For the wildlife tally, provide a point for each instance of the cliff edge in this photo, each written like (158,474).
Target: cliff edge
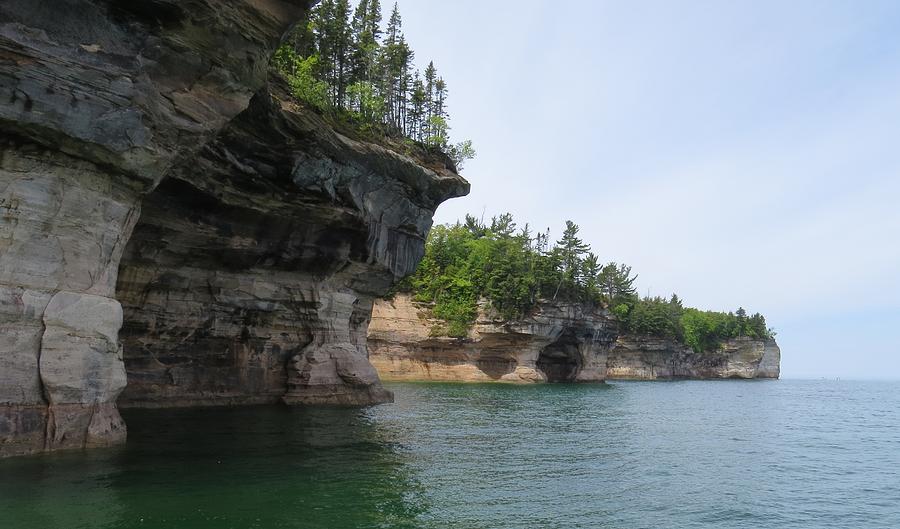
(559,342)
(154,178)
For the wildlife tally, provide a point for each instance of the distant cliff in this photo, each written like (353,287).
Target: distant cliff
(650,358)
(557,342)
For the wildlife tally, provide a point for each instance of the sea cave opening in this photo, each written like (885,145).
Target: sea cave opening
(561,360)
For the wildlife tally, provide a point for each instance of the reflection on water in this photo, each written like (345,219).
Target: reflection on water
(728,454)
(245,467)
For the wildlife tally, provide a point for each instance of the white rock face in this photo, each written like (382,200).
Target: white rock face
(770,365)
(81,361)
(63,227)
(21,330)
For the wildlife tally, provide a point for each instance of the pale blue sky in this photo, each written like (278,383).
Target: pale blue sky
(736,152)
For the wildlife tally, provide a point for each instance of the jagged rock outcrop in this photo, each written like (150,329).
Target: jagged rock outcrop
(650,358)
(557,342)
(560,342)
(251,274)
(260,234)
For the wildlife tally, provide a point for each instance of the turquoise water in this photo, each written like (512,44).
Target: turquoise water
(729,454)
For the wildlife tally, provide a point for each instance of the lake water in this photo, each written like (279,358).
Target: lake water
(729,454)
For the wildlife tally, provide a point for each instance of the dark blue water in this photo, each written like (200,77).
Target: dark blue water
(735,454)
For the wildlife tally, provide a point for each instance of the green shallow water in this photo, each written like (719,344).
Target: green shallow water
(729,454)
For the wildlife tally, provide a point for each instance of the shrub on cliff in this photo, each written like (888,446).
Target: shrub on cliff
(345,64)
(510,268)
(703,331)
(513,268)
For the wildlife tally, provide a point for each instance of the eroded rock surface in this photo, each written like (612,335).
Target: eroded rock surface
(251,274)
(260,235)
(99,98)
(558,342)
(649,358)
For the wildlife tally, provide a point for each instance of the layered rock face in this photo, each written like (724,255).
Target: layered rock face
(251,274)
(271,233)
(559,342)
(649,358)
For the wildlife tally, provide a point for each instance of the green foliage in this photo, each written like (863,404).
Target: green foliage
(341,62)
(462,152)
(653,317)
(512,268)
(437,132)
(299,73)
(365,103)
(616,284)
(502,264)
(703,331)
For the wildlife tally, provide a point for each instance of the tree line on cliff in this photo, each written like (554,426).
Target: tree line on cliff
(513,268)
(341,61)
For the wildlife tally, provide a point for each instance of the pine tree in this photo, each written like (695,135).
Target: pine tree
(416,113)
(365,29)
(343,38)
(741,322)
(333,40)
(616,283)
(390,60)
(590,271)
(430,78)
(570,249)
(440,98)
(322,22)
(503,226)
(338,61)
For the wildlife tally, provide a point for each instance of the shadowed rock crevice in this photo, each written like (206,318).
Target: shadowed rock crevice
(561,360)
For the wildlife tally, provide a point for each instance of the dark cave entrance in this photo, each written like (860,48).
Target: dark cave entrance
(561,360)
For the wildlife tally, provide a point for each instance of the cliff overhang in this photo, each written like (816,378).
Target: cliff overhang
(154,178)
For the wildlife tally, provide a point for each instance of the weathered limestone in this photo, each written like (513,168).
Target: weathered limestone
(261,236)
(556,344)
(63,226)
(649,358)
(251,274)
(99,99)
(559,342)
(770,364)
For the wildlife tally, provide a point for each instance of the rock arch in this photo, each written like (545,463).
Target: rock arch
(153,117)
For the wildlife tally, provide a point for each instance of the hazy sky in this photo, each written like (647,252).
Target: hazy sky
(737,153)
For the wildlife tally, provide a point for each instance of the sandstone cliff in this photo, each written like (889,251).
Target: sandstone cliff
(649,358)
(147,159)
(560,342)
